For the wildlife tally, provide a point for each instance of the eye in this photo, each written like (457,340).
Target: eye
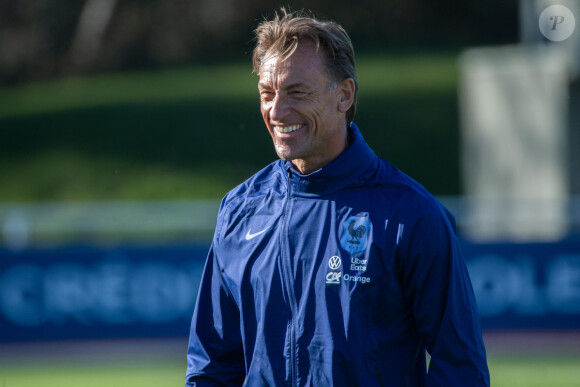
(297,93)
(266,95)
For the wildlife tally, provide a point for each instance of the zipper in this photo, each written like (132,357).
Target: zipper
(287,273)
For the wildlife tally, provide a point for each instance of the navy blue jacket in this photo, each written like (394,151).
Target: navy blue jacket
(343,277)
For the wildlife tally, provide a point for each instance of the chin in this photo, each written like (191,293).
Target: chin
(285,155)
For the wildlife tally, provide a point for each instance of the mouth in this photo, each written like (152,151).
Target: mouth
(288,128)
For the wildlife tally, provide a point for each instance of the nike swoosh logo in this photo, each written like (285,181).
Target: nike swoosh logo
(249,234)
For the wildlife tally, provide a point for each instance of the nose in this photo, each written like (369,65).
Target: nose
(279,108)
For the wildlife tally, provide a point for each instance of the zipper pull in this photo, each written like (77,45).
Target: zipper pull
(289,173)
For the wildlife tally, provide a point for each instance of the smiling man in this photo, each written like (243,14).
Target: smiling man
(330,267)
(303,107)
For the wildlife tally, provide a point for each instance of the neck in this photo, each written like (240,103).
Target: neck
(307,166)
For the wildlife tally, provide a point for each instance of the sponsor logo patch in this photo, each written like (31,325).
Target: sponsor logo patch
(354,238)
(334,262)
(333,277)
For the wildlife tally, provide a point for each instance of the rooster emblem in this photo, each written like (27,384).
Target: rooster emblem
(354,235)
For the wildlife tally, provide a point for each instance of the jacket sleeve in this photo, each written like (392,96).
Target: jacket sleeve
(215,354)
(441,297)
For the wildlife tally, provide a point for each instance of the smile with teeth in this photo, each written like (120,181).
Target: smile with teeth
(288,129)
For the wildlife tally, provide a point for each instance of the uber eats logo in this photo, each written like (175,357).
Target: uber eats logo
(335,275)
(354,236)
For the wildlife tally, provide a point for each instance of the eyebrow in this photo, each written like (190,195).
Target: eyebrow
(263,85)
(297,85)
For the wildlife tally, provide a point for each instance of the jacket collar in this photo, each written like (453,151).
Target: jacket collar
(354,166)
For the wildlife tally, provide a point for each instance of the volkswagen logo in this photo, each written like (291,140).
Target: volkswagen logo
(334,262)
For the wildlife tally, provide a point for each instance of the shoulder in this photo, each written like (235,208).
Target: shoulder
(241,199)
(414,201)
(258,184)
(425,228)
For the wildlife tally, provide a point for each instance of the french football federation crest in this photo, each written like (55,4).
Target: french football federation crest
(355,231)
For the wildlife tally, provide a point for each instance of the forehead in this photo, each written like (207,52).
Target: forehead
(306,64)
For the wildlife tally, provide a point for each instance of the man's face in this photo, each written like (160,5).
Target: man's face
(303,111)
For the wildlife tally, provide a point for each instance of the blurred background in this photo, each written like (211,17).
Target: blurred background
(123,123)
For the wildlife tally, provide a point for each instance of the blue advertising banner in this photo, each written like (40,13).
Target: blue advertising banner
(127,291)
(83,292)
(526,286)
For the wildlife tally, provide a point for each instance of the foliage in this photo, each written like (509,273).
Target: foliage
(40,39)
(197,131)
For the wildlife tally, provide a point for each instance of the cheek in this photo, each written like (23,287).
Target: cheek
(264,110)
(266,117)
(321,107)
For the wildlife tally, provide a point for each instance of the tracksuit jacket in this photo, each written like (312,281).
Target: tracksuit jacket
(343,277)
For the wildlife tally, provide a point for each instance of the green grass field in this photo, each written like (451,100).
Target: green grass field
(505,372)
(145,375)
(535,372)
(196,132)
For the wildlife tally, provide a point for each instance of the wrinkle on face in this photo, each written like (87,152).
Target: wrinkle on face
(297,90)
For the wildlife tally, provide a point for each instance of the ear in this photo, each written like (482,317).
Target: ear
(345,90)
